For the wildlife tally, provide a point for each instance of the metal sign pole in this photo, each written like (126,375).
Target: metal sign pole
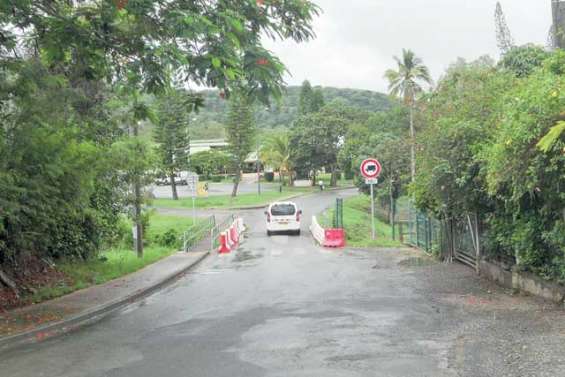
(193,188)
(193,211)
(371,169)
(372,212)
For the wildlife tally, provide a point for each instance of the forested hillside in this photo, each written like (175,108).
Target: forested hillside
(209,122)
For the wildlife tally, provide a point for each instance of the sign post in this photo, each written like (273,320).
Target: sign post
(192,182)
(371,169)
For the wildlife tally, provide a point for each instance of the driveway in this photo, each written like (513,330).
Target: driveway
(281,306)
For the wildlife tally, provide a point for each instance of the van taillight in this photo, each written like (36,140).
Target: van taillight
(268,217)
(297,215)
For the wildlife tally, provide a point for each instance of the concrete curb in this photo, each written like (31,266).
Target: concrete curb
(91,316)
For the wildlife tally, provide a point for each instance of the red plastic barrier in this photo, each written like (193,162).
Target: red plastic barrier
(224,246)
(334,238)
(233,234)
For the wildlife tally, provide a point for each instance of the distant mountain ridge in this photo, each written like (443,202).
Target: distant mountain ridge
(208,122)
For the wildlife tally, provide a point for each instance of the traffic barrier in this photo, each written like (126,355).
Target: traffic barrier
(224,245)
(231,243)
(234,234)
(240,225)
(334,238)
(317,231)
(230,238)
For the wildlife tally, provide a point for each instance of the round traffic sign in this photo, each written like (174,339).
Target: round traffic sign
(371,168)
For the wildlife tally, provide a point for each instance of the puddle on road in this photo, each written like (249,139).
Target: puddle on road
(244,255)
(417,262)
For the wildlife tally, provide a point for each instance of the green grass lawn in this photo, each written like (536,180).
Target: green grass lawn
(118,261)
(226,201)
(357,222)
(340,183)
(159,224)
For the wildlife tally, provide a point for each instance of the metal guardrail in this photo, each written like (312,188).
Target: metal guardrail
(194,235)
(219,228)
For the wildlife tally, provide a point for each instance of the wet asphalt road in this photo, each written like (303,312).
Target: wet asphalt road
(281,306)
(215,189)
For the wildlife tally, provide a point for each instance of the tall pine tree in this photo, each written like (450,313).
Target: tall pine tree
(172,135)
(240,130)
(503,35)
(310,100)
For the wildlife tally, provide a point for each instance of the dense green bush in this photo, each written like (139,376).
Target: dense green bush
(209,163)
(170,238)
(480,155)
(216,178)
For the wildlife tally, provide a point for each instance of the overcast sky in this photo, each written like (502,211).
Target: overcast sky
(356,39)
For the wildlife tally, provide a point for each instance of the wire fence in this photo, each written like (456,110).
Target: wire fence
(460,238)
(419,230)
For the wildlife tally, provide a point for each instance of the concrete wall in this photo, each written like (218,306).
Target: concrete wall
(523,282)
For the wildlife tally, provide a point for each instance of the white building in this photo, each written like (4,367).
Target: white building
(207,145)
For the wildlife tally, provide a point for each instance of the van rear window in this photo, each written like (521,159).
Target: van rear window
(283,210)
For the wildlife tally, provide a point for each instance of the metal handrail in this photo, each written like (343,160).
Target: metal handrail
(217,229)
(191,237)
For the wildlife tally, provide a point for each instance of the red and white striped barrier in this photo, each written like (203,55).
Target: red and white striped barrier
(230,238)
(224,245)
(327,237)
(317,231)
(240,225)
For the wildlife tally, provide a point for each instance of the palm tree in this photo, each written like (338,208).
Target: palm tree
(276,152)
(404,83)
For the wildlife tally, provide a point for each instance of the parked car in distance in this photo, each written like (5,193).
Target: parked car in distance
(283,217)
(180,180)
(161,180)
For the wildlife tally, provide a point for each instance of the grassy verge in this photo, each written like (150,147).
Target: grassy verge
(119,261)
(226,201)
(357,222)
(340,183)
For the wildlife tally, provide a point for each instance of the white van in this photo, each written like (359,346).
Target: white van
(283,217)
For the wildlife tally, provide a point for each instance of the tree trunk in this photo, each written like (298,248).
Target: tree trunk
(174,187)
(333,179)
(391,204)
(236,181)
(314,179)
(137,205)
(9,283)
(412,144)
(138,225)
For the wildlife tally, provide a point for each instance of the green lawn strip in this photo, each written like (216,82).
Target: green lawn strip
(117,262)
(357,222)
(340,183)
(226,201)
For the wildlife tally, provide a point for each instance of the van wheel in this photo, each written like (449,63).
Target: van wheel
(269,233)
(297,232)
